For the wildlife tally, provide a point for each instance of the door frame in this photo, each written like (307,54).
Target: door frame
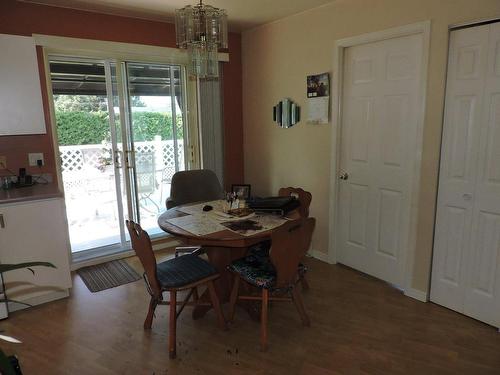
(423,28)
(100,251)
(76,48)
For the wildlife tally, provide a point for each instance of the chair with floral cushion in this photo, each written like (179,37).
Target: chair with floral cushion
(262,249)
(275,275)
(305,199)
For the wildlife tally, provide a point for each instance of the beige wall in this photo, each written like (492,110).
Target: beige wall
(276,60)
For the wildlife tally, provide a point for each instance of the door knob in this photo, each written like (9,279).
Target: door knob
(344,176)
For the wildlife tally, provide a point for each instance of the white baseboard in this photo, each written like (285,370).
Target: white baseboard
(320,256)
(413,293)
(417,294)
(38,300)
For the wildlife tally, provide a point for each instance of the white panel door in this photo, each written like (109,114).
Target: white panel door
(381,90)
(466,267)
(468,49)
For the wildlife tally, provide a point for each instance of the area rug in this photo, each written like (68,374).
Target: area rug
(108,275)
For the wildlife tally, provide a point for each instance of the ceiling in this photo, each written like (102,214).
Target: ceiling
(243,14)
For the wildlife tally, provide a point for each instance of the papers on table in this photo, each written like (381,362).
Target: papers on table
(222,217)
(199,224)
(216,213)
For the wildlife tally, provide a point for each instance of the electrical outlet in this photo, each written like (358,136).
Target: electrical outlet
(3,162)
(34,157)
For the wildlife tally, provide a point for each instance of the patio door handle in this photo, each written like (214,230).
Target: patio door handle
(118,158)
(130,159)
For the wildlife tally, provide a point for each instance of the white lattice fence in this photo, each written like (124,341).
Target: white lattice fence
(81,158)
(143,152)
(169,158)
(77,158)
(71,159)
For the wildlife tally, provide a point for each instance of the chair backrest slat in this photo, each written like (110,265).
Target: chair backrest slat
(303,196)
(141,243)
(289,245)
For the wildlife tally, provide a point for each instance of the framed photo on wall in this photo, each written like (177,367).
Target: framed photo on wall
(241,191)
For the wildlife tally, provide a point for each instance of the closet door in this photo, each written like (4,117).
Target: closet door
(482,293)
(466,270)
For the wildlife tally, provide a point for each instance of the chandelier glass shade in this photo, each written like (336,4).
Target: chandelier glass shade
(202,30)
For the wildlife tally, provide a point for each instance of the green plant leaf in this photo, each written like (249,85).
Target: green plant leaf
(11,267)
(10,339)
(5,365)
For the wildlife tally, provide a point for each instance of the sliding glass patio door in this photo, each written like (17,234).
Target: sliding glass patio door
(121,134)
(156,123)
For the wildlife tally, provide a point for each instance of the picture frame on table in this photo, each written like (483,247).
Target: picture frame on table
(242,191)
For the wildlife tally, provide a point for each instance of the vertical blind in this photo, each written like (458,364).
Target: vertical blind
(211,125)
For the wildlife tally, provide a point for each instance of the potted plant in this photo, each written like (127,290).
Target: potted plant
(8,364)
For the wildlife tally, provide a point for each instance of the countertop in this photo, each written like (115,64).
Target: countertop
(31,193)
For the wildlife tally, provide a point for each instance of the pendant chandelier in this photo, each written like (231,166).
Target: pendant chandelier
(202,30)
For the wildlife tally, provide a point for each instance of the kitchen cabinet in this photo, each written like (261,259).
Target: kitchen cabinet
(20,93)
(35,231)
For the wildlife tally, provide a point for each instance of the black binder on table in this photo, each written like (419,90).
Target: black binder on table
(276,205)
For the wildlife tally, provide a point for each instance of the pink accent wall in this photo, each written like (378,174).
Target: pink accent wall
(20,18)
(233,114)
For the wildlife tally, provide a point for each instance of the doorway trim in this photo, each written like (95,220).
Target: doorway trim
(423,28)
(62,47)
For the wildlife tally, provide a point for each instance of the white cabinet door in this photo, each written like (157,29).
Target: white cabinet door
(35,231)
(20,94)
(378,151)
(466,265)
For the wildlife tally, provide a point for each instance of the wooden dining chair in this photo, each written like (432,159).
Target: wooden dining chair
(305,199)
(185,272)
(277,275)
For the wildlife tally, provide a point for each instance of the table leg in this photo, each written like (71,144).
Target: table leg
(220,258)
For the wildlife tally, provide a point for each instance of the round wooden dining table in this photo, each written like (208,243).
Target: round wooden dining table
(221,248)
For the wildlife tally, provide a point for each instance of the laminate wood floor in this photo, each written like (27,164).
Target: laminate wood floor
(359,326)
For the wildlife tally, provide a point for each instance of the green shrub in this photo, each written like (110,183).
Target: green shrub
(82,128)
(148,124)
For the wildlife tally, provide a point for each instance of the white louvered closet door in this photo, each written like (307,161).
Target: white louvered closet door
(466,264)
